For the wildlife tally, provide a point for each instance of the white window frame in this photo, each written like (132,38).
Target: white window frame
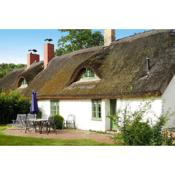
(97,109)
(54,104)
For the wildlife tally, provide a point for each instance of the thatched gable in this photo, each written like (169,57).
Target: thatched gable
(12,80)
(120,66)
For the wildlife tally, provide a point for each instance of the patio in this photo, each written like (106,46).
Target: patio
(66,134)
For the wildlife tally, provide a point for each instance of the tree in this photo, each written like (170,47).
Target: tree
(11,104)
(6,68)
(78,39)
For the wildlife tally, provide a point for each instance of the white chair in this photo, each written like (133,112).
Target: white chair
(70,122)
(20,120)
(30,123)
(31,116)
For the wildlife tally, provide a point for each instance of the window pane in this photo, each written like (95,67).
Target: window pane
(87,73)
(54,107)
(96,109)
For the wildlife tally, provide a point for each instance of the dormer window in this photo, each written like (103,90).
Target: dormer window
(87,73)
(22,83)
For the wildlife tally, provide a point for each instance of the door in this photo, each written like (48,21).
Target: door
(113,103)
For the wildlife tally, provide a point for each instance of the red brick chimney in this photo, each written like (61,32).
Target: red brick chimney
(48,53)
(31,58)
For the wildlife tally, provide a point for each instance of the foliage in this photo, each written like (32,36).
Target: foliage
(11,104)
(6,68)
(134,130)
(78,39)
(58,121)
(137,132)
(39,114)
(160,136)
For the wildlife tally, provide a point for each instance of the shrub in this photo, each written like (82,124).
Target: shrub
(137,132)
(11,104)
(39,114)
(58,121)
(161,136)
(133,130)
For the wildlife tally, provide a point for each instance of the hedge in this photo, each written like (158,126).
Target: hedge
(11,104)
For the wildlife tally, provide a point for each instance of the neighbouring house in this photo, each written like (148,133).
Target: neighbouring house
(95,82)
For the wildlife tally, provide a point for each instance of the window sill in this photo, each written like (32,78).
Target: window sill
(96,119)
(87,80)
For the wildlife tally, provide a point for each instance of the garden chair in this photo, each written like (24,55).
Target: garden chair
(31,116)
(20,121)
(70,122)
(29,123)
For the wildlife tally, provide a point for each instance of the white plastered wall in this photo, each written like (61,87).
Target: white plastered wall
(168,100)
(44,106)
(154,112)
(82,110)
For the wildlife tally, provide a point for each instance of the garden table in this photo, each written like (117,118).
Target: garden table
(39,122)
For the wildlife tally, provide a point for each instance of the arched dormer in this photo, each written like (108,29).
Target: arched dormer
(22,83)
(85,74)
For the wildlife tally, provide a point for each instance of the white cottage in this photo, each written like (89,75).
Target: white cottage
(95,82)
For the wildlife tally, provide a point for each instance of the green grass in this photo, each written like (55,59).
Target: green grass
(7,140)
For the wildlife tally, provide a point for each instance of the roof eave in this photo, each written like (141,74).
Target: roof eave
(144,95)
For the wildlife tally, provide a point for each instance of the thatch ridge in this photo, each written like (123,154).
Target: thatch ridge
(141,35)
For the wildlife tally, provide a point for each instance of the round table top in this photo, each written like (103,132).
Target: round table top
(38,120)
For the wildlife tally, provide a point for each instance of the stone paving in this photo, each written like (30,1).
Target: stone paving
(63,134)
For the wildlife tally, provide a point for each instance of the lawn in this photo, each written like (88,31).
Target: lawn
(6,140)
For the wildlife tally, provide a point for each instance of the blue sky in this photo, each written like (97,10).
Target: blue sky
(14,44)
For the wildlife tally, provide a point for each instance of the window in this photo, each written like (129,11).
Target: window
(96,109)
(54,107)
(87,73)
(22,83)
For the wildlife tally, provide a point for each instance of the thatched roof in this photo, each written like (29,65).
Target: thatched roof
(121,68)
(11,81)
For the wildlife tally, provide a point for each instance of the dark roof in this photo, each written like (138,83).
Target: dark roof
(121,67)
(10,82)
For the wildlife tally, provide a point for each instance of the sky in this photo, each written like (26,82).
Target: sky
(15,43)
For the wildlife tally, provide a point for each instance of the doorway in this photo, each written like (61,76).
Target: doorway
(113,107)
